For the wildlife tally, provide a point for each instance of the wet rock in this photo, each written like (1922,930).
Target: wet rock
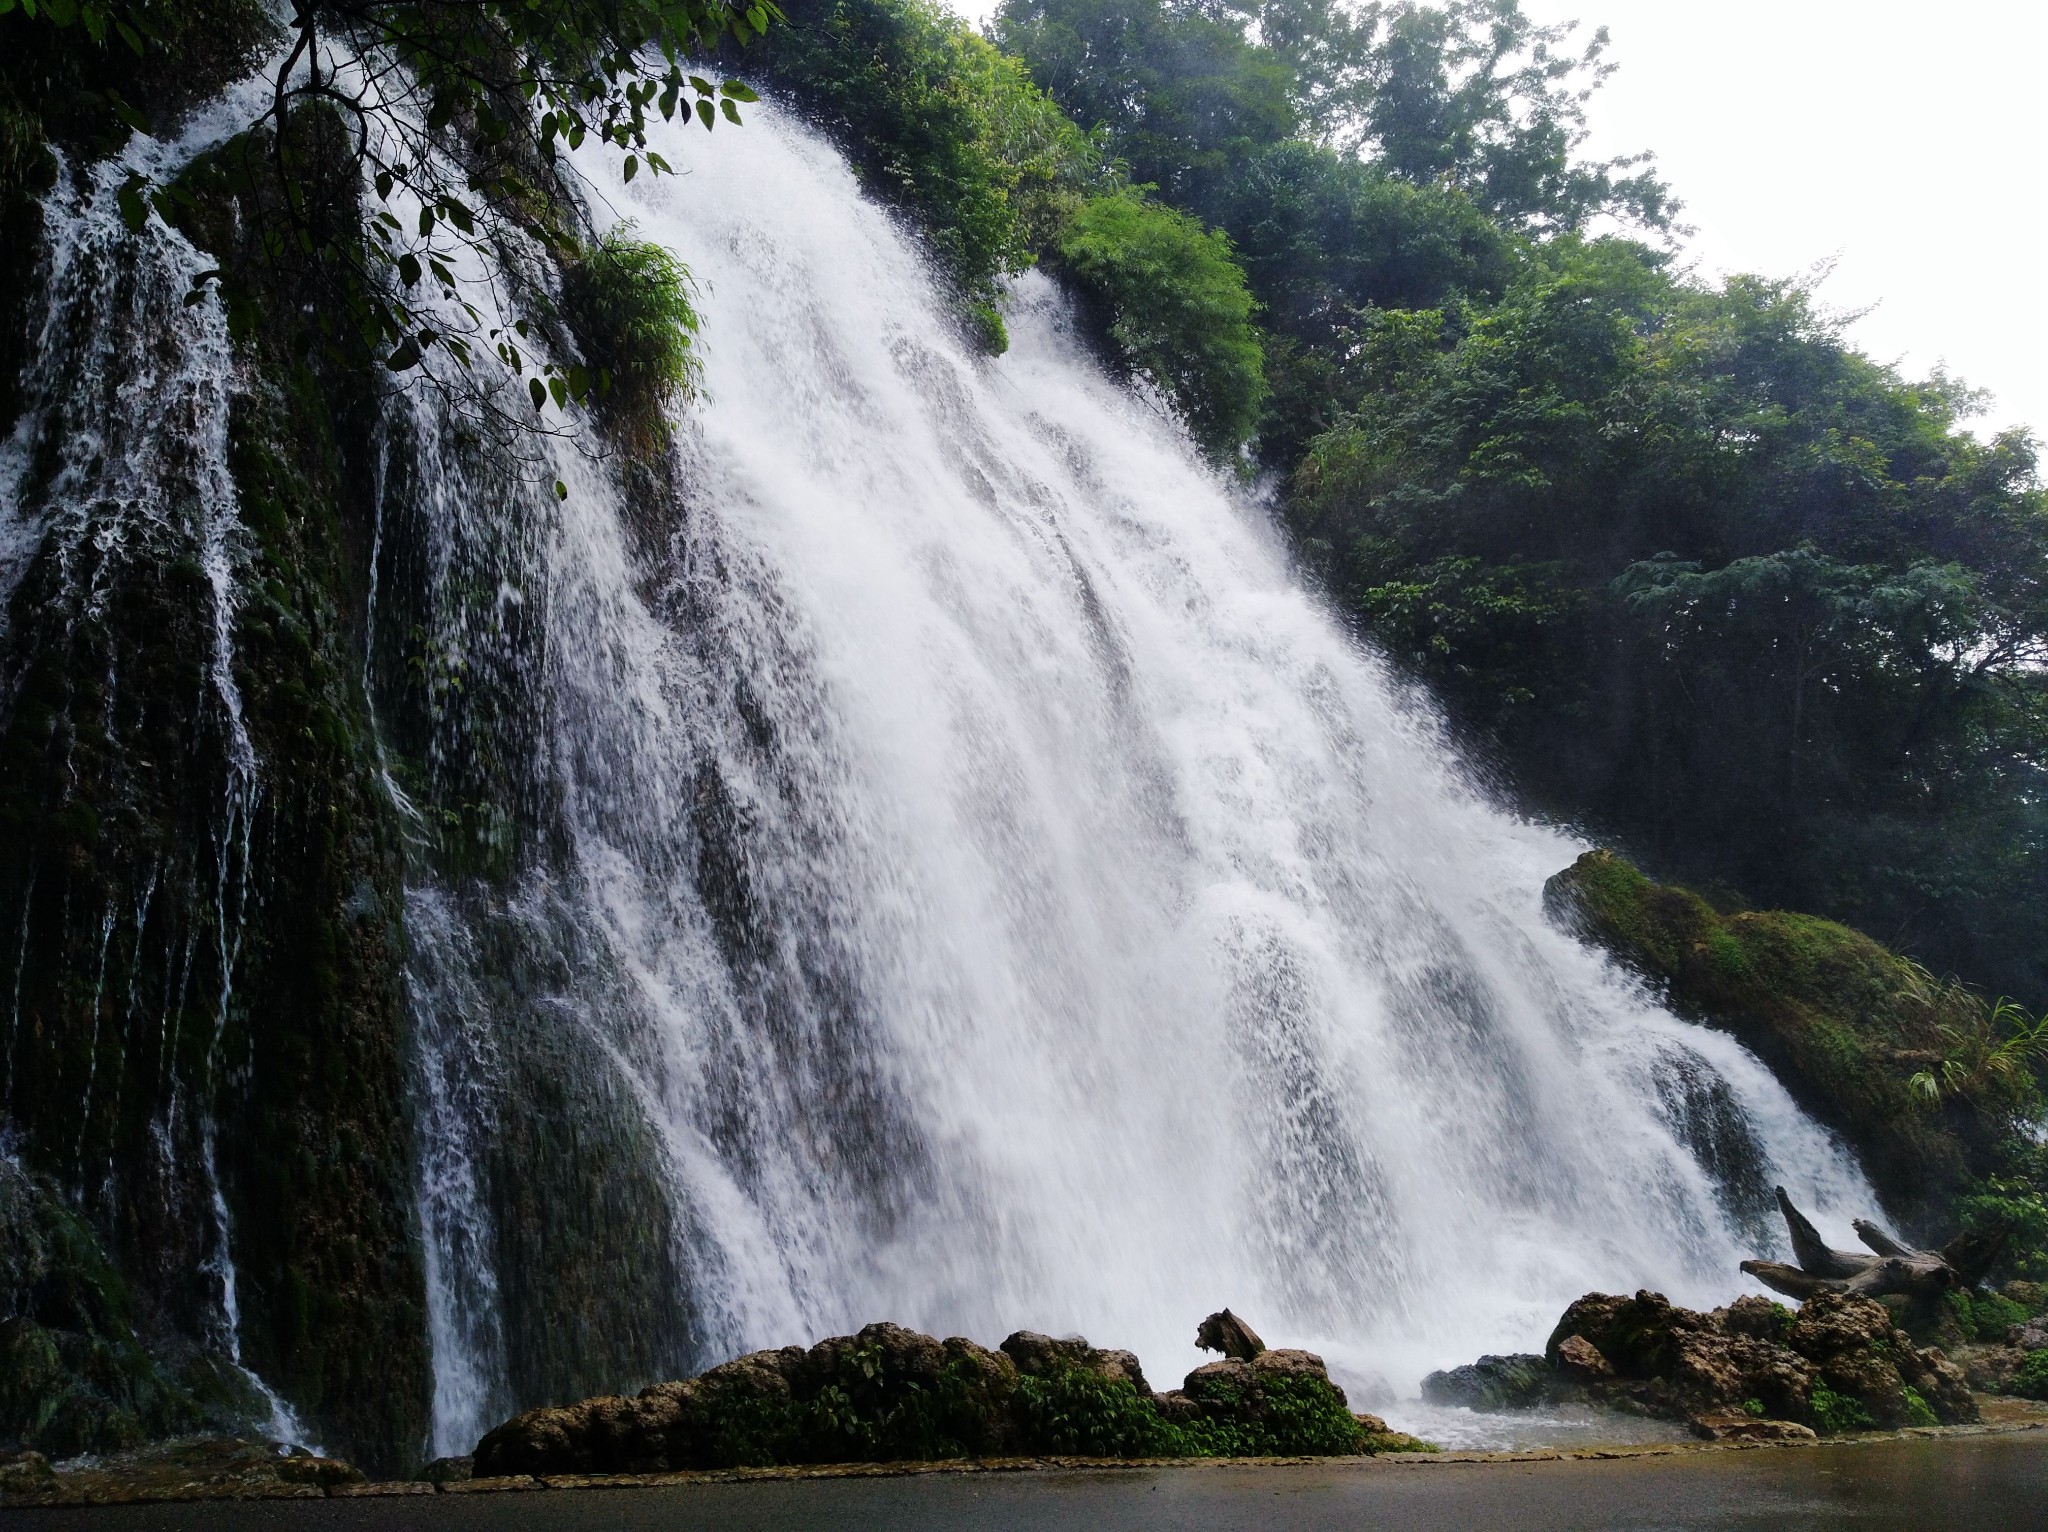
(1518,1382)
(206,1468)
(1754,1356)
(448,1471)
(1735,1426)
(1036,1355)
(27,1472)
(2031,1336)
(1226,1333)
(889,1394)
(1578,1361)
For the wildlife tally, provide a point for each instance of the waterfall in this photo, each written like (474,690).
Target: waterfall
(946,868)
(117,470)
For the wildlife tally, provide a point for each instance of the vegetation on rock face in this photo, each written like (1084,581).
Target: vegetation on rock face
(457,111)
(73,1376)
(629,303)
(1844,1023)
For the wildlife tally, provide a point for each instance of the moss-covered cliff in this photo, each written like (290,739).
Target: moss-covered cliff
(206,1041)
(1845,1023)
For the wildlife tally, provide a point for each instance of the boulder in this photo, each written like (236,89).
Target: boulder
(1226,1333)
(1578,1360)
(1038,1355)
(1517,1382)
(1752,1356)
(25,1473)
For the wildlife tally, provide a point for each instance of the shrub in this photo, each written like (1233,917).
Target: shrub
(1918,1411)
(1835,1413)
(1175,308)
(1075,1412)
(629,303)
(2030,1379)
(1985,1316)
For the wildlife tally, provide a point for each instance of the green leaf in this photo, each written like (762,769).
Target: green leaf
(134,209)
(632,166)
(127,113)
(383,185)
(405,357)
(701,85)
(409,268)
(539,391)
(732,113)
(707,114)
(561,490)
(738,90)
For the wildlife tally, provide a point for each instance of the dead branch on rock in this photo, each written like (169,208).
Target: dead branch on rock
(1894,1267)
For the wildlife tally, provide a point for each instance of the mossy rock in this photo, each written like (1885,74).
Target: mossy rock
(890,1394)
(1844,1022)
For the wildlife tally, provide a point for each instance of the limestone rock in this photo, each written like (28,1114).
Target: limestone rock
(23,1473)
(1579,1360)
(1736,1426)
(1517,1382)
(1036,1355)
(1226,1333)
(1754,1354)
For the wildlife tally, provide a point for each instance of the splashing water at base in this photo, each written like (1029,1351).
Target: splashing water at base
(1008,900)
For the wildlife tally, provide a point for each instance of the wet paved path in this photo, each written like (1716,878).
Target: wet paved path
(1976,1484)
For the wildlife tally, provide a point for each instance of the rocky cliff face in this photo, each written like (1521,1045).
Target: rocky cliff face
(200,871)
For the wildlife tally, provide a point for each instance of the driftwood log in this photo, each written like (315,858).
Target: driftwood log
(1226,1333)
(1892,1267)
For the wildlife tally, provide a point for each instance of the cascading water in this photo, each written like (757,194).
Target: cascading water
(118,469)
(966,881)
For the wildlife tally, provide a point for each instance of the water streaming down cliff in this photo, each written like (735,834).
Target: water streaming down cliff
(117,473)
(956,874)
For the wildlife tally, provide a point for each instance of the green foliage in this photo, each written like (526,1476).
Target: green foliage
(1754,1407)
(461,139)
(2009,1056)
(1918,1411)
(1073,1412)
(2012,1199)
(1984,1316)
(1835,1413)
(1279,1417)
(1183,95)
(2030,1380)
(1176,310)
(630,304)
(1787,631)
(940,124)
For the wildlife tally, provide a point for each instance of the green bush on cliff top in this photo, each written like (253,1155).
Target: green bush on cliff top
(1175,307)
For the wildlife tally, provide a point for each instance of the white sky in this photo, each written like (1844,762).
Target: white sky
(1907,143)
